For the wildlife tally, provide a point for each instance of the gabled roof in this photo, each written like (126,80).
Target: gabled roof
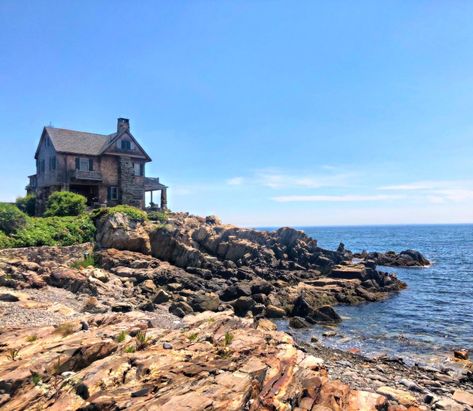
(77,142)
(80,142)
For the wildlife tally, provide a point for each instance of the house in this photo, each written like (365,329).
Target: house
(107,169)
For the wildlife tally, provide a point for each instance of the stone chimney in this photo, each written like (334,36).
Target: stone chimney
(123,124)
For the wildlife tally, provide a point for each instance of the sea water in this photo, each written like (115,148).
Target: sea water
(433,316)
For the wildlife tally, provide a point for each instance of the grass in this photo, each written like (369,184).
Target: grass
(65,329)
(130,349)
(121,336)
(193,337)
(35,378)
(12,353)
(228,339)
(142,340)
(32,338)
(87,261)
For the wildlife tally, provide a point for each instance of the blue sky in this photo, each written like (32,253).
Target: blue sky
(263,112)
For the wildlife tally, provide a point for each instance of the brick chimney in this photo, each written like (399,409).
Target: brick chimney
(123,124)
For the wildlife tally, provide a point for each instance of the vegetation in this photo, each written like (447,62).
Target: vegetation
(27,204)
(228,338)
(5,241)
(35,378)
(193,337)
(54,231)
(121,336)
(65,329)
(65,203)
(142,340)
(160,216)
(87,261)
(130,349)
(133,213)
(12,218)
(32,338)
(12,353)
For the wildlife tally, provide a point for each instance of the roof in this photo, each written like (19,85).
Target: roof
(78,142)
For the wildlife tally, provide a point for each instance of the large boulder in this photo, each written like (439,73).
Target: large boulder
(118,231)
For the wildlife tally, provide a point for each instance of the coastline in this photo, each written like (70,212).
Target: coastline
(176,275)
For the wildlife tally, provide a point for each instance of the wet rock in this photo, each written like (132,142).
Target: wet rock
(461,354)
(298,322)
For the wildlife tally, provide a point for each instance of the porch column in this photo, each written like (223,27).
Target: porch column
(151,204)
(164,199)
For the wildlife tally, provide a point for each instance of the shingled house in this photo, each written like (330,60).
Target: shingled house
(106,169)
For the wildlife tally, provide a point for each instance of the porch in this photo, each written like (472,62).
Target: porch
(153,186)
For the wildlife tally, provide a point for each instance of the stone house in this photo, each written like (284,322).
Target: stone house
(107,169)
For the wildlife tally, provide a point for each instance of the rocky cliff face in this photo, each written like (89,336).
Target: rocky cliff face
(264,274)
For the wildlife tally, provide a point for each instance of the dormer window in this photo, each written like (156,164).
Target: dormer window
(126,145)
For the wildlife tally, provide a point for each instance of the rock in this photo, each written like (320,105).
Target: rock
(298,322)
(406,258)
(329,333)
(167,346)
(461,354)
(463,397)
(411,385)
(274,312)
(122,307)
(118,231)
(205,302)
(148,286)
(325,314)
(9,298)
(448,404)
(402,397)
(161,297)
(365,401)
(242,305)
(180,309)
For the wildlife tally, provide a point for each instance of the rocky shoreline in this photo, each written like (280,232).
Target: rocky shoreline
(175,316)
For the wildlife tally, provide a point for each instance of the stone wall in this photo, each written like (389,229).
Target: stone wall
(131,192)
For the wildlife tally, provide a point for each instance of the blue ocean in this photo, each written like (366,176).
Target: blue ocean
(433,316)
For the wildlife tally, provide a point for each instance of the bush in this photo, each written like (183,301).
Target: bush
(27,204)
(133,213)
(5,241)
(160,216)
(65,203)
(55,231)
(11,218)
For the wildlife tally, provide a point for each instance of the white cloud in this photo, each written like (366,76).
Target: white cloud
(336,198)
(278,180)
(235,181)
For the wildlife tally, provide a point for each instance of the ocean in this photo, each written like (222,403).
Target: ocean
(429,319)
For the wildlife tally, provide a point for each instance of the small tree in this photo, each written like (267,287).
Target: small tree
(27,204)
(65,203)
(11,218)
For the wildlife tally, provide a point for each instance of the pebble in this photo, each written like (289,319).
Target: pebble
(167,346)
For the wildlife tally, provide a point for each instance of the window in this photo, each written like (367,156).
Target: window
(52,163)
(84,164)
(139,169)
(112,193)
(125,145)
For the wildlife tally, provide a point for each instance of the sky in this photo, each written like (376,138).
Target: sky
(263,112)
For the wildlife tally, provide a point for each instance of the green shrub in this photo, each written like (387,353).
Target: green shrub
(5,241)
(27,204)
(160,216)
(11,218)
(65,203)
(133,213)
(54,231)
